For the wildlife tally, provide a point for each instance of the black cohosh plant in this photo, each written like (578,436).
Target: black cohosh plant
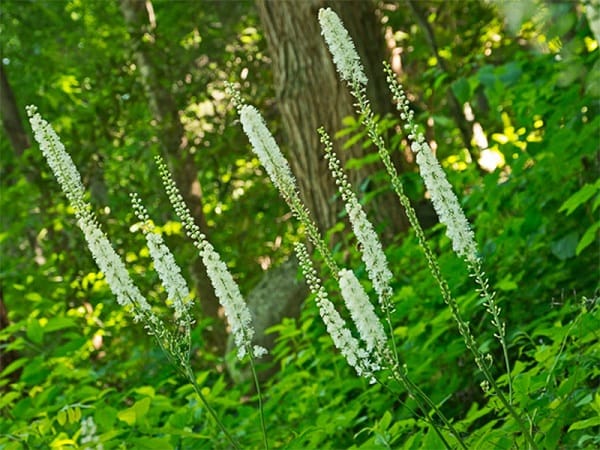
(371,348)
(174,340)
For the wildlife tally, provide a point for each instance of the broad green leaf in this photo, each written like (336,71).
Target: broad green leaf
(6,399)
(61,417)
(35,332)
(105,416)
(136,412)
(565,248)
(152,443)
(59,323)
(462,90)
(15,365)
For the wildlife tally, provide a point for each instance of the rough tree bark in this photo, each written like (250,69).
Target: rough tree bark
(310,94)
(141,23)
(11,118)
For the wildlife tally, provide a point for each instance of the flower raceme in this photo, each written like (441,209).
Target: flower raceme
(267,150)
(341,46)
(371,251)
(165,265)
(363,314)
(444,200)
(445,203)
(342,338)
(109,262)
(226,289)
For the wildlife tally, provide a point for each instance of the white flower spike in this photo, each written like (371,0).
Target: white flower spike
(341,47)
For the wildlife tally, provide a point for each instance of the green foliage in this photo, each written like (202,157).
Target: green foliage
(75,353)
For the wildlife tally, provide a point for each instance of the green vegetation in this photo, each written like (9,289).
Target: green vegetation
(77,372)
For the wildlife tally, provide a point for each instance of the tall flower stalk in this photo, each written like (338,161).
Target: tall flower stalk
(226,289)
(444,200)
(356,299)
(176,343)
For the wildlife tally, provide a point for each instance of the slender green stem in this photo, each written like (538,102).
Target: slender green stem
(368,121)
(437,411)
(192,378)
(494,310)
(418,399)
(260,403)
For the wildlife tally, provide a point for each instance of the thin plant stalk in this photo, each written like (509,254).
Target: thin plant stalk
(192,378)
(350,70)
(175,346)
(463,327)
(260,402)
(277,167)
(226,289)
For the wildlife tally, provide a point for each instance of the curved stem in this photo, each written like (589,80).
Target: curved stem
(190,375)
(416,392)
(260,403)
(402,378)
(494,310)
(368,121)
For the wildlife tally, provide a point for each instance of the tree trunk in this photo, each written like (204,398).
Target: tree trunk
(310,94)
(141,22)
(11,119)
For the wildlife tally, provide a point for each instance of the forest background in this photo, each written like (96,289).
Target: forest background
(508,93)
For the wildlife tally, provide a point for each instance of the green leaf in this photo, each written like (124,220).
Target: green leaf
(580,197)
(35,332)
(564,248)
(15,365)
(105,416)
(587,423)
(588,237)
(462,90)
(152,443)
(7,399)
(136,412)
(61,417)
(59,323)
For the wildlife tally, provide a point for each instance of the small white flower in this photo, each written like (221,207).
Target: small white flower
(57,157)
(226,289)
(361,309)
(88,437)
(341,47)
(109,262)
(371,250)
(169,273)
